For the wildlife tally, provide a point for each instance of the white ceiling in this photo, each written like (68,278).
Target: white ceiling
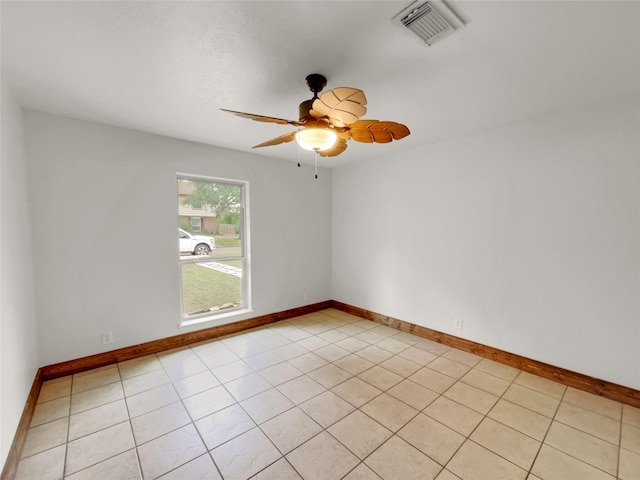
(167,67)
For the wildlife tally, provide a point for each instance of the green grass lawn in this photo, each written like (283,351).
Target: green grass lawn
(203,288)
(230,241)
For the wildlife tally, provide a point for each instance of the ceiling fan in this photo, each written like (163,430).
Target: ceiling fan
(330,120)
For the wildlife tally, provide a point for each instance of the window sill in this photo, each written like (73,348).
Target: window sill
(216,319)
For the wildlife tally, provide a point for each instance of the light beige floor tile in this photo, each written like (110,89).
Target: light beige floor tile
(47,465)
(301,389)
(331,353)
(96,397)
(308,362)
(247,386)
(232,371)
(542,385)
(296,334)
(473,462)
(95,378)
(433,347)
(396,459)
(521,419)
(380,377)
(496,369)
(195,384)
(589,422)
(447,475)
(266,405)
(123,467)
(247,349)
(172,450)
(51,410)
(594,403)
(629,468)
(413,394)
(145,381)
(186,368)
(290,429)
(292,350)
(274,341)
(401,366)
(584,447)
(506,442)
(98,418)
(149,400)
(392,345)
(208,402)
(362,472)
(333,336)
(417,355)
(432,438)
(354,364)
(389,411)
(218,358)
(384,330)
(263,360)
(329,376)
(159,422)
(280,470)
(538,402)
(96,447)
(312,343)
(459,356)
(359,433)
(486,382)
(138,366)
(551,464)
(280,373)
(472,397)
(54,389)
(370,336)
(631,415)
(327,408)
(374,354)
(449,367)
(245,455)
(224,425)
(322,458)
(356,391)
(352,344)
(432,380)
(202,468)
(454,415)
(630,438)
(176,356)
(46,436)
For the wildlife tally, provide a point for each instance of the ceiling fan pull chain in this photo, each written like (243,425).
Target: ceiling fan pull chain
(316,164)
(298,158)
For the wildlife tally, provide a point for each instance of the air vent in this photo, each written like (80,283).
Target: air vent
(430,21)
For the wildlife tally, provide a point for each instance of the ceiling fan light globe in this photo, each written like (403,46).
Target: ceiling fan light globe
(316,139)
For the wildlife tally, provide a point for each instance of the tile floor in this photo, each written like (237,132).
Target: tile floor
(324,396)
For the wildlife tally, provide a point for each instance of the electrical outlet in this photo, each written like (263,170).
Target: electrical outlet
(107,338)
(457,323)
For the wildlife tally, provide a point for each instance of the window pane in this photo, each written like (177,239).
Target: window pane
(208,287)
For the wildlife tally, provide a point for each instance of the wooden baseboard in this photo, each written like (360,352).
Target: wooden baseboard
(15,451)
(580,381)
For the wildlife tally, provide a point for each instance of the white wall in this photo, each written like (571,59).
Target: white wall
(19,359)
(110,263)
(529,234)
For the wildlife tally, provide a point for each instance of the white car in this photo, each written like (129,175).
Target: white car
(195,244)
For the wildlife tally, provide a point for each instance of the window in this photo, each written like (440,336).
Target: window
(213,248)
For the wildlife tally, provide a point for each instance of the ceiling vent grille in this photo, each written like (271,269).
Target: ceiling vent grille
(430,21)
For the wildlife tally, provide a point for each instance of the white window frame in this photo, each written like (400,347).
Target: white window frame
(226,315)
(197,229)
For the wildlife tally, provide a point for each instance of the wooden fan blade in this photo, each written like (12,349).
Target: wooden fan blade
(370,131)
(287,137)
(263,118)
(343,106)
(339,147)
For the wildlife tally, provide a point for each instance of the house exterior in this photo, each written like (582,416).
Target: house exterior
(194,219)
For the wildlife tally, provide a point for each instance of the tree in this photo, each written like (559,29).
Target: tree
(220,197)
